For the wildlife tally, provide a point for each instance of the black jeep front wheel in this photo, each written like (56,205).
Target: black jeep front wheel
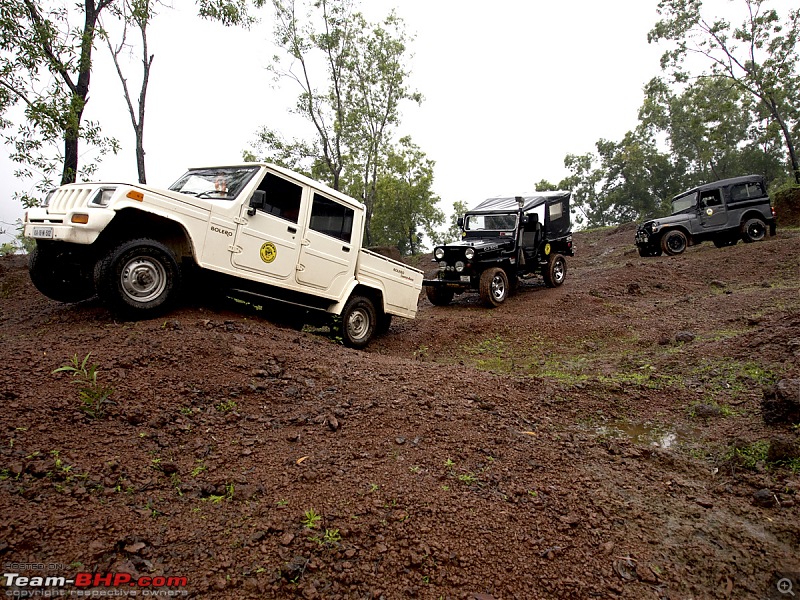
(138,279)
(753,230)
(61,272)
(494,287)
(555,272)
(439,296)
(674,242)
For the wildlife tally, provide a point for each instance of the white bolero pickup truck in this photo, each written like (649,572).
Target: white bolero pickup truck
(253,229)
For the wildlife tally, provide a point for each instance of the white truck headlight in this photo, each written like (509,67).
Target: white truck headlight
(438,254)
(102,197)
(469,253)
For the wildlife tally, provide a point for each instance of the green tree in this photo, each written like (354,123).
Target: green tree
(45,64)
(453,232)
(760,57)
(711,129)
(352,78)
(405,205)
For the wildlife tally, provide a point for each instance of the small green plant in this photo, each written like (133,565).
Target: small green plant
(226,406)
(468,478)
(374,487)
(449,463)
(421,353)
(415,469)
(750,455)
(282,502)
(329,538)
(94,397)
(311,519)
(198,468)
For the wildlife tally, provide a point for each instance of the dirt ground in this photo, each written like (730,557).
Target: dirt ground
(599,440)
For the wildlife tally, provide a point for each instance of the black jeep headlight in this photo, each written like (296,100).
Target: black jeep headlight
(438,254)
(469,253)
(459,266)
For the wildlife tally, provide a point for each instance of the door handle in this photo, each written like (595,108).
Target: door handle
(291,229)
(345,249)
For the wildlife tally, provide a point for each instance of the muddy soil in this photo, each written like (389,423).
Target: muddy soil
(599,440)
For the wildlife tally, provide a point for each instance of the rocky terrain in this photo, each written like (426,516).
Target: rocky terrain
(605,439)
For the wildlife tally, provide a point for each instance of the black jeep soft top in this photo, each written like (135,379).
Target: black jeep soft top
(504,239)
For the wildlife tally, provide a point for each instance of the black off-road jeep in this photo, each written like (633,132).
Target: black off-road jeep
(505,239)
(723,212)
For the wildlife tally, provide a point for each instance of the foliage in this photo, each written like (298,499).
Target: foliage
(351,77)
(45,66)
(405,202)
(94,397)
(759,58)
(453,232)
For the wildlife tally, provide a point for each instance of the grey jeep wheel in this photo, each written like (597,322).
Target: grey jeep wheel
(674,242)
(138,279)
(753,230)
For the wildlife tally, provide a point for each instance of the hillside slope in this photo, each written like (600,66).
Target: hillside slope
(602,439)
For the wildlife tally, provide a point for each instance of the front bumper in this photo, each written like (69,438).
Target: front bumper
(41,225)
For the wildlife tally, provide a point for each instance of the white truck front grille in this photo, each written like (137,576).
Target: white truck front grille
(68,198)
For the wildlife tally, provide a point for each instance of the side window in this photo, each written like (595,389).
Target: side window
(745,191)
(555,211)
(711,198)
(283,197)
(331,218)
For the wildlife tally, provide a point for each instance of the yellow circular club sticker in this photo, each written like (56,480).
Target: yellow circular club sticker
(547,249)
(709,211)
(268,252)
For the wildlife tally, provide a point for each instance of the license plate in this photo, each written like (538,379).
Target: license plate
(43,233)
(465,278)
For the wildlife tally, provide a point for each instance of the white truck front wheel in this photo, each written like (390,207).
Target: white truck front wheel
(139,278)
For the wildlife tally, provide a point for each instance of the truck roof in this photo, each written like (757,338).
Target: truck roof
(529,200)
(723,183)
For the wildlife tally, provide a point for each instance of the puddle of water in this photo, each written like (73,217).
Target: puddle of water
(646,433)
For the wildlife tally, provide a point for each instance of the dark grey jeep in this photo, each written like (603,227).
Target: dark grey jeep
(505,239)
(723,212)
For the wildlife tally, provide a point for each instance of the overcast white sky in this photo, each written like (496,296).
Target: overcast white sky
(510,88)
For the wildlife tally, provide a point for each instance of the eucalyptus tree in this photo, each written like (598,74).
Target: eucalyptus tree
(351,76)
(759,56)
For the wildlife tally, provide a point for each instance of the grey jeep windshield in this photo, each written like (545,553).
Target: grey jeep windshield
(681,203)
(490,222)
(221,182)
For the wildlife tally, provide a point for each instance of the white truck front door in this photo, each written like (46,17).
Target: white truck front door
(268,242)
(327,257)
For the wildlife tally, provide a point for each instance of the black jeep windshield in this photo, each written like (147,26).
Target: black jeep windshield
(681,203)
(223,182)
(490,222)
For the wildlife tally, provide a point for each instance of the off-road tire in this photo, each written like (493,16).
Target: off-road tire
(384,323)
(439,296)
(494,287)
(359,322)
(60,272)
(555,271)
(650,251)
(753,230)
(138,279)
(674,242)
